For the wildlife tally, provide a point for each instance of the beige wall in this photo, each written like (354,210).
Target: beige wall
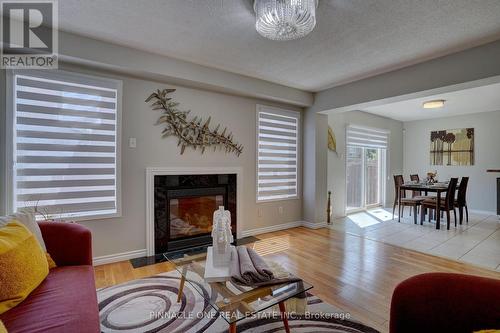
(82,50)
(128,233)
(336,162)
(314,162)
(482,185)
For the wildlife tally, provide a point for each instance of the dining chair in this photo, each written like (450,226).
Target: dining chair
(401,199)
(446,205)
(416,178)
(461,201)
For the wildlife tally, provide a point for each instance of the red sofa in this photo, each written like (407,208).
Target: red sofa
(445,302)
(66,300)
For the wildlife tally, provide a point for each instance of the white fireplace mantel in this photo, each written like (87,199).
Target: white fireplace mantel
(152,172)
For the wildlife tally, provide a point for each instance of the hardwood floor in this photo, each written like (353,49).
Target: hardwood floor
(354,274)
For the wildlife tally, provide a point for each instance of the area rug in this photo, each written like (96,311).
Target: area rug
(150,305)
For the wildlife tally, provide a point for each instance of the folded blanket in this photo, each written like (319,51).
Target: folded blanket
(297,304)
(249,269)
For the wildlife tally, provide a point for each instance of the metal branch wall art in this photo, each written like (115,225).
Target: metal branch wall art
(190,132)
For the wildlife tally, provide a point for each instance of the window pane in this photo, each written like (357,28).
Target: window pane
(354,174)
(372,176)
(277,151)
(65,145)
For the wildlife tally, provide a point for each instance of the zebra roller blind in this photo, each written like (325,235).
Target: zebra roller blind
(277,153)
(65,144)
(357,136)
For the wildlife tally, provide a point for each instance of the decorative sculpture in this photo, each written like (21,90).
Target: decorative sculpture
(222,237)
(217,267)
(190,133)
(332,143)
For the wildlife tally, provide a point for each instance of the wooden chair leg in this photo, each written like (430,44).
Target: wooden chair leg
(422,215)
(455,216)
(448,217)
(466,214)
(461,214)
(399,213)
(415,214)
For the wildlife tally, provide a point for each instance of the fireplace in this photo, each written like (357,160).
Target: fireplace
(184,207)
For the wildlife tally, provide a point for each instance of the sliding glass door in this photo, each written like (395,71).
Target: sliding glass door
(364,175)
(354,178)
(372,176)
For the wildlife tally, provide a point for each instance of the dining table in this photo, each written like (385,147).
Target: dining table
(438,188)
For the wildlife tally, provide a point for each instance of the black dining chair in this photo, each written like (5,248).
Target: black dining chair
(401,199)
(446,205)
(461,201)
(415,178)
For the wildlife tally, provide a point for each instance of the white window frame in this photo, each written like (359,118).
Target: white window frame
(282,112)
(10,133)
(383,172)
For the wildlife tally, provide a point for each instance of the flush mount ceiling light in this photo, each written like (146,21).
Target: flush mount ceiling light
(285,19)
(436,104)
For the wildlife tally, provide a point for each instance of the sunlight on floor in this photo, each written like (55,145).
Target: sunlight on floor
(363,219)
(272,245)
(371,217)
(381,214)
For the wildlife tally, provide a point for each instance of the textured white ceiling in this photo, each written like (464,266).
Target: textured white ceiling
(353,39)
(467,101)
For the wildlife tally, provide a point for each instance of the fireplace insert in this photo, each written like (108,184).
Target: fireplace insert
(184,207)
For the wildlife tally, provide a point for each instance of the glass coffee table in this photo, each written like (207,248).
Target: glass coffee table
(233,302)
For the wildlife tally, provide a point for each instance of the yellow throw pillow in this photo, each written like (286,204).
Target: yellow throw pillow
(50,261)
(23,264)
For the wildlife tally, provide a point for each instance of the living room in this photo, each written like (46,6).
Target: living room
(166,130)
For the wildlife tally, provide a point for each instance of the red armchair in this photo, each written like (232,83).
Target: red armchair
(445,302)
(66,300)
(69,244)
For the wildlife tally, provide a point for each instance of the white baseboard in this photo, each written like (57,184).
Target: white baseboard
(283,226)
(263,230)
(312,225)
(110,258)
(486,212)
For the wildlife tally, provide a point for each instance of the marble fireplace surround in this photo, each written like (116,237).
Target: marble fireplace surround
(159,171)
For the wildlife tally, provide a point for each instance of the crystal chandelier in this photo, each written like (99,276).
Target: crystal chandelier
(285,19)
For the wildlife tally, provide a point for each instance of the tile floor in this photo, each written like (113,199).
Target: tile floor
(477,242)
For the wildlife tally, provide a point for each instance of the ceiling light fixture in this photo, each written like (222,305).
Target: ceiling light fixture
(436,104)
(285,19)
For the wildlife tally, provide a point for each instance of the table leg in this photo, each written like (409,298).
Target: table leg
(399,206)
(283,316)
(181,286)
(232,328)
(438,214)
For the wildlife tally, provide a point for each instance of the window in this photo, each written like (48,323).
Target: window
(277,153)
(65,144)
(365,167)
